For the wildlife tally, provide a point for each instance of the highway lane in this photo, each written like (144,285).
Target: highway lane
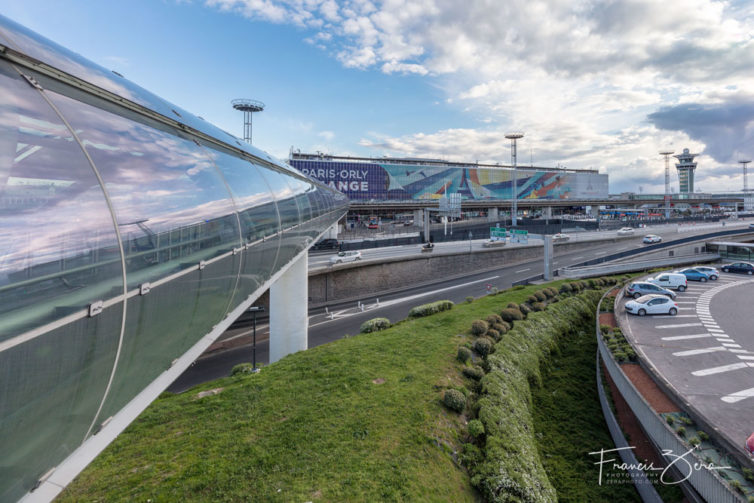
(346,318)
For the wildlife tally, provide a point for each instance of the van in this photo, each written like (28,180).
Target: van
(674,281)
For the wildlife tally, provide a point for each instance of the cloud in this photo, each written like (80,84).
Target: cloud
(327,135)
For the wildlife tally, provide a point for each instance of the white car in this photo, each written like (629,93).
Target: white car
(491,243)
(345,256)
(626,231)
(560,237)
(652,304)
(670,280)
(651,238)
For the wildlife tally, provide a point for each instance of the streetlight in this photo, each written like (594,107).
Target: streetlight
(514,210)
(666,154)
(254,310)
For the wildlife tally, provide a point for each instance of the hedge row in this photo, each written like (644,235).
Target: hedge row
(429,309)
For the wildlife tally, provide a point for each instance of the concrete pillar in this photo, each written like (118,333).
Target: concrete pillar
(418,217)
(332,232)
(289,310)
(426,226)
(548,258)
(548,212)
(492,215)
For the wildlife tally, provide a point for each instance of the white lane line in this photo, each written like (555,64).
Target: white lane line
(577,258)
(742,357)
(664,316)
(684,302)
(720,370)
(724,339)
(597,254)
(740,351)
(680,325)
(524,270)
(684,337)
(738,396)
(715,330)
(693,352)
(685,308)
(732,345)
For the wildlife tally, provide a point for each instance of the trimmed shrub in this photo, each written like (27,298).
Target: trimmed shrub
(592,283)
(501,327)
(476,428)
(693,441)
(518,287)
(538,306)
(605,328)
(476,372)
(669,420)
(531,299)
(469,299)
(464,354)
(511,314)
(479,327)
(540,295)
(483,346)
(511,305)
(454,400)
(524,308)
(494,291)
(566,288)
(429,309)
(681,431)
(704,437)
(374,325)
(493,334)
(493,319)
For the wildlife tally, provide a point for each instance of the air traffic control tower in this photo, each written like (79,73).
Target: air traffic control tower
(686,167)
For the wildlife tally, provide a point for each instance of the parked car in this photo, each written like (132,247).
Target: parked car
(560,237)
(373,225)
(751,225)
(651,238)
(739,267)
(694,274)
(626,231)
(640,288)
(652,304)
(492,243)
(710,271)
(670,280)
(345,256)
(408,223)
(326,244)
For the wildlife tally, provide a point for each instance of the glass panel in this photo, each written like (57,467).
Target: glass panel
(285,196)
(174,211)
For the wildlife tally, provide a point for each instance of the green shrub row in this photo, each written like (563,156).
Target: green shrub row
(374,325)
(429,309)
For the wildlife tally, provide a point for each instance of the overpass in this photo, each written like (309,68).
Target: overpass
(133,234)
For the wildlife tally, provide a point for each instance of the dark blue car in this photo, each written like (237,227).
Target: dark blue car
(694,274)
(739,267)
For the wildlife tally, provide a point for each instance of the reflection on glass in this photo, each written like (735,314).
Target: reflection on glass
(58,245)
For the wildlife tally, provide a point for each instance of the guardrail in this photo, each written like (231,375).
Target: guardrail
(707,483)
(601,270)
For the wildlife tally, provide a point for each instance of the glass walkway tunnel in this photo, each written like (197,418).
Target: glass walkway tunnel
(132,233)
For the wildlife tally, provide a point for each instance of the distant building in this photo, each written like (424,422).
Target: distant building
(686,167)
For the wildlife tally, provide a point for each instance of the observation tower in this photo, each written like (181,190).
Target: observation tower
(248,107)
(686,167)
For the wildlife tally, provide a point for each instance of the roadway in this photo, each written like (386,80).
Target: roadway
(341,319)
(706,352)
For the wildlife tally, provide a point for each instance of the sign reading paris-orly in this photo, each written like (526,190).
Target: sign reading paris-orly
(371,181)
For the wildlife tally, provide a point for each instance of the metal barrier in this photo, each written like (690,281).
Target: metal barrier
(707,483)
(601,270)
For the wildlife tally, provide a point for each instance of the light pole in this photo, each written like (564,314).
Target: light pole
(746,182)
(667,153)
(254,310)
(514,210)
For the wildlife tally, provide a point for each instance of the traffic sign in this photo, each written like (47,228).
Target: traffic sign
(498,233)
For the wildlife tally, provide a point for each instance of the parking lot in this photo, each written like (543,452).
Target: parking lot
(706,351)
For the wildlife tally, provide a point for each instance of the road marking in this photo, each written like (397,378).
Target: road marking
(686,309)
(700,351)
(714,330)
(577,258)
(744,357)
(732,345)
(524,270)
(683,302)
(739,351)
(738,396)
(720,370)
(664,316)
(681,325)
(684,337)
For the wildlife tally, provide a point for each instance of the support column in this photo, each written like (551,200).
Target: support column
(426,226)
(289,310)
(548,258)
(548,212)
(492,215)
(418,217)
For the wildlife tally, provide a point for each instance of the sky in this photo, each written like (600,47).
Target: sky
(600,84)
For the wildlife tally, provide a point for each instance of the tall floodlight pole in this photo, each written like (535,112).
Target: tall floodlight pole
(746,183)
(667,153)
(514,210)
(248,107)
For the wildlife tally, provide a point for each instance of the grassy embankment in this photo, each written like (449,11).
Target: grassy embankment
(361,419)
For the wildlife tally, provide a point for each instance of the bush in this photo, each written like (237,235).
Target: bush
(429,309)
(483,346)
(592,283)
(374,325)
(511,314)
(476,428)
(476,372)
(540,295)
(553,291)
(501,327)
(454,400)
(493,319)
(479,327)
(464,354)
(493,334)
(605,328)
(539,306)
(524,308)
(703,436)
(469,299)
(518,287)
(242,368)
(693,441)
(669,420)
(566,288)
(511,305)
(531,299)
(748,474)
(681,431)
